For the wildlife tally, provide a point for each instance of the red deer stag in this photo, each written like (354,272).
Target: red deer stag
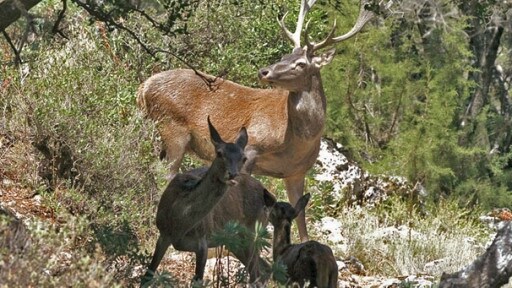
(309,261)
(202,201)
(285,124)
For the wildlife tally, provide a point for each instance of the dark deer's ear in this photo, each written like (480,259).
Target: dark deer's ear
(214,135)
(301,204)
(242,138)
(268,198)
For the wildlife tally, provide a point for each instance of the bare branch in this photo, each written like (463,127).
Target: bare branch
(108,20)
(17,56)
(55,29)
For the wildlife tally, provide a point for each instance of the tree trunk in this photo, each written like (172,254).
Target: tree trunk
(485,32)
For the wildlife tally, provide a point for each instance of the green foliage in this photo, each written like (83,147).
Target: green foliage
(234,236)
(46,255)
(76,102)
(279,272)
(397,109)
(233,41)
(164,279)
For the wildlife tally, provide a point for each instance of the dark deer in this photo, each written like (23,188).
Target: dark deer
(285,124)
(200,202)
(308,262)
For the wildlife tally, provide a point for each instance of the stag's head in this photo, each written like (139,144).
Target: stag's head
(294,70)
(231,154)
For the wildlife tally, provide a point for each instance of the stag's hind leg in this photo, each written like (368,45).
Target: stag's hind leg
(175,140)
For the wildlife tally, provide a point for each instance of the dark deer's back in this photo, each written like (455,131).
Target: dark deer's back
(243,203)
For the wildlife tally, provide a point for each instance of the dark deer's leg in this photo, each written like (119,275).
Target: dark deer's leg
(162,244)
(295,190)
(251,262)
(201,257)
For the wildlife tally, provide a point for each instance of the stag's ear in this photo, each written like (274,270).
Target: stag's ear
(301,204)
(323,59)
(242,138)
(214,135)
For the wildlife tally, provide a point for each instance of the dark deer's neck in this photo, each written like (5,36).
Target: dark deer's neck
(214,180)
(209,190)
(306,110)
(281,240)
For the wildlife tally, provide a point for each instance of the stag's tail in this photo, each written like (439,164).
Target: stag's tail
(141,99)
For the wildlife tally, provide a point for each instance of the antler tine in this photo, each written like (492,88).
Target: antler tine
(326,42)
(365,15)
(290,35)
(295,36)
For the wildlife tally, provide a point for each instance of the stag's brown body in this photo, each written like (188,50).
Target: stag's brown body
(184,98)
(200,202)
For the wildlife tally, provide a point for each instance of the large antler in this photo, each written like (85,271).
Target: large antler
(366,12)
(295,37)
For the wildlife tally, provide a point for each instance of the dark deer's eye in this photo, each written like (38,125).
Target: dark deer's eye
(219,153)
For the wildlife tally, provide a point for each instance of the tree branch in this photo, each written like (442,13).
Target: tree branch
(108,20)
(17,56)
(55,29)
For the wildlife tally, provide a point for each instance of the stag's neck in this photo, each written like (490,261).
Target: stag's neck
(281,241)
(306,110)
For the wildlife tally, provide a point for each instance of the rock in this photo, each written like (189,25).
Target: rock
(331,228)
(351,183)
(402,232)
(491,269)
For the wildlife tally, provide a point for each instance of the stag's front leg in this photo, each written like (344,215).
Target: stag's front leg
(295,190)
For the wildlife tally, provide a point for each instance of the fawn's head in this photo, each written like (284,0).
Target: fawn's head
(231,155)
(282,213)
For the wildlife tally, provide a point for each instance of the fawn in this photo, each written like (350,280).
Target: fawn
(308,261)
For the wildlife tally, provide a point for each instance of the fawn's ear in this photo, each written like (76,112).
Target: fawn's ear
(214,135)
(242,138)
(301,204)
(268,198)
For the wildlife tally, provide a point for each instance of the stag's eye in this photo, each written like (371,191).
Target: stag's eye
(300,65)
(244,159)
